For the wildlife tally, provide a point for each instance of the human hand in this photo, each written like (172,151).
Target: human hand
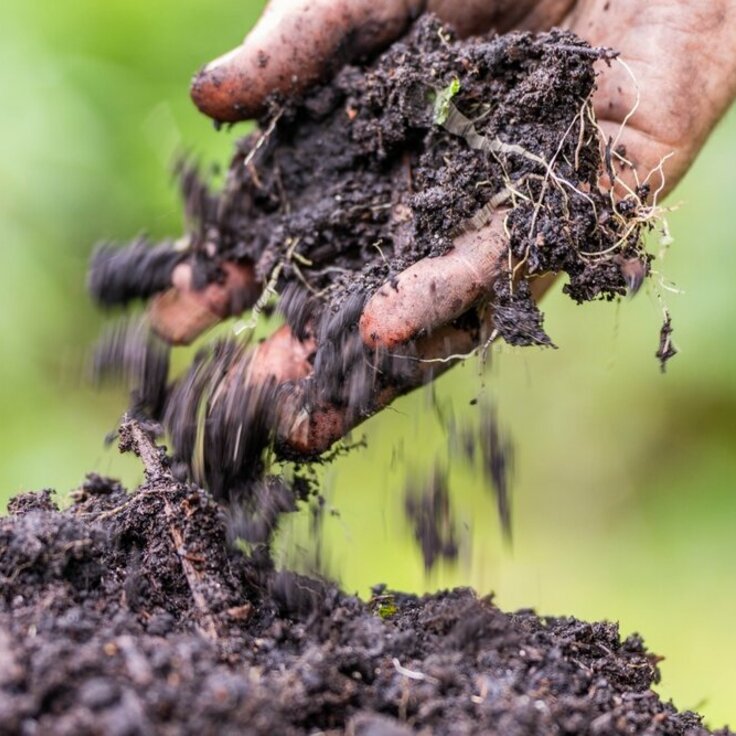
(683,60)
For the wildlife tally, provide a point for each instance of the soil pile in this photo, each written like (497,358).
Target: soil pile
(132,614)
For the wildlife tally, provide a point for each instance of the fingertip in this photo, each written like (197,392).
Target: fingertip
(182,313)
(286,50)
(179,317)
(222,90)
(293,45)
(282,358)
(435,290)
(303,429)
(384,324)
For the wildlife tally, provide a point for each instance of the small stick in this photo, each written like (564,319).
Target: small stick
(132,437)
(412,674)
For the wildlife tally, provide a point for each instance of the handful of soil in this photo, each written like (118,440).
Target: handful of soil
(340,191)
(132,614)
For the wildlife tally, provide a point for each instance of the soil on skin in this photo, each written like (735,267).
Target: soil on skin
(133,614)
(385,164)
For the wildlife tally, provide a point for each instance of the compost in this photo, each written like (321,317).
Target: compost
(133,614)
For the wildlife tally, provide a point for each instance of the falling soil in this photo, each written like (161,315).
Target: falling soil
(484,450)
(341,190)
(666,350)
(133,614)
(430,514)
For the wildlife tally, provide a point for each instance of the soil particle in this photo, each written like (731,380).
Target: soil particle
(102,631)
(497,456)
(27,502)
(128,354)
(138,271)
(484,447)
(666,350)
(429,512)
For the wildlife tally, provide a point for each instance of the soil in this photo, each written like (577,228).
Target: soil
(161,611)
(367,174)
(133,614)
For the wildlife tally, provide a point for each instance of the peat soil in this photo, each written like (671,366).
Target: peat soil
(134,614)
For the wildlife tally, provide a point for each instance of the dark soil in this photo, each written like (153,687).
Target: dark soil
(133,614)
(373,171)
(140,614)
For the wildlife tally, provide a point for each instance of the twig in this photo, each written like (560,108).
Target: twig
(132,437)
(412,674)
(262,139)
(598,52)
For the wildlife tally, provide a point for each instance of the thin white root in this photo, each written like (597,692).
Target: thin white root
(412,674)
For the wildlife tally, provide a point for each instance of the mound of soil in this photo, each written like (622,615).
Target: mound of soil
(132,614)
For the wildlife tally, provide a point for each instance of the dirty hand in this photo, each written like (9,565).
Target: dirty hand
(682,55)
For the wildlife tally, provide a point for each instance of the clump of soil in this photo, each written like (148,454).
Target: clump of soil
(428,509)
(133,614)
(666,350)
(341,190)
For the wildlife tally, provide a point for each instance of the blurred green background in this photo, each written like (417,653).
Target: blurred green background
(625,492)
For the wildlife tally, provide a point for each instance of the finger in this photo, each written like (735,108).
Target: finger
(293,44)
(307,431)
(118,276)
(184,312)
(435,291)
(281,358)
(682,57)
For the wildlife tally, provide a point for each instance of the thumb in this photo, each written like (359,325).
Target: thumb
(677,79)
(294,44)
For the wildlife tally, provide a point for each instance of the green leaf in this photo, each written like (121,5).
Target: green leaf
(443,100)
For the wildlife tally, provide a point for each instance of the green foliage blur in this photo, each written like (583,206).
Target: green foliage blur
(625,490)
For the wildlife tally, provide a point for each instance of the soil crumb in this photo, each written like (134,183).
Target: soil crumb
(666,350)
(133,614)
(429,511)
(485,447)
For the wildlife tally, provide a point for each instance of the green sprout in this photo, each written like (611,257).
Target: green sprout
(387,609)
(443,101)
